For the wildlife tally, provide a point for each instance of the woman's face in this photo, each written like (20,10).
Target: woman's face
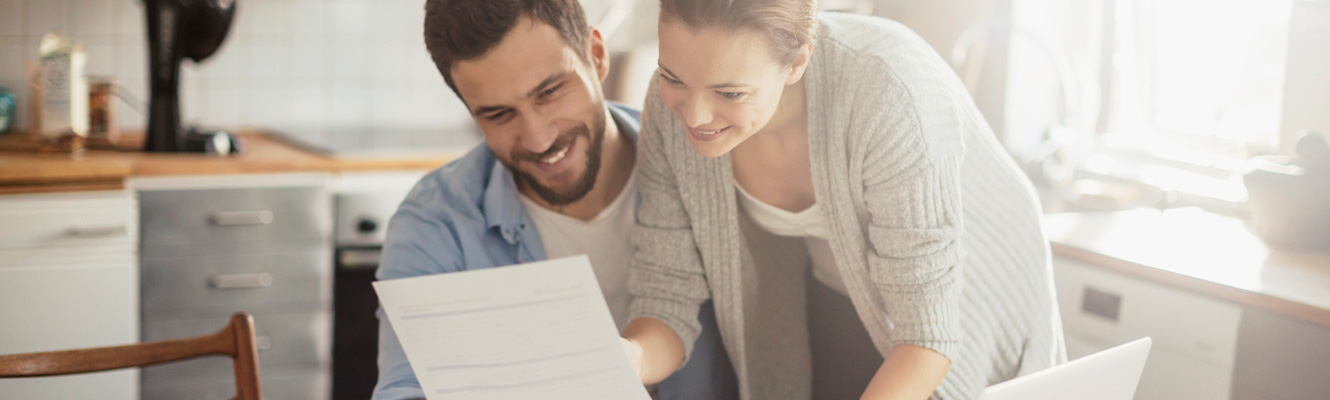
(723,84)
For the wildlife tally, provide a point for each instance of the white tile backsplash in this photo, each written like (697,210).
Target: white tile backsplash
(266,60)
(91,17)
(129,17)
(11,17)
(262,18)
(47,16)
(132,60)
(101,54)
(308,19)
(11,59)
(307,67)
(350,19)
(350,57)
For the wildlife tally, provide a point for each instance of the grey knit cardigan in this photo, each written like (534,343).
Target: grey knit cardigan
(932,225)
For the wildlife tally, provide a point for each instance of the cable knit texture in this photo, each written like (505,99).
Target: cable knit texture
(933,227)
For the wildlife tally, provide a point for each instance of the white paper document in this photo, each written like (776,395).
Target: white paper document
(530,331)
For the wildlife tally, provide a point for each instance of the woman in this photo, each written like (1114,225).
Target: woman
(775,138)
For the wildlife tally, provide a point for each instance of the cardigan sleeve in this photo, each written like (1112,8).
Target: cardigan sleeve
(912,163)
(667,279)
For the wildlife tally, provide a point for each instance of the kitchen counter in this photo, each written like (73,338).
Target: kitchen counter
(25,170)
(1201,252)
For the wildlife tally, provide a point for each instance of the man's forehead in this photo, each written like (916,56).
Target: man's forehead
(528,54)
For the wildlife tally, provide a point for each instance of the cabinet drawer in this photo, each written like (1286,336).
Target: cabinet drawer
(1110,307)
(262,217)
(308,386)
(65,220)
(288,343)
(188,286)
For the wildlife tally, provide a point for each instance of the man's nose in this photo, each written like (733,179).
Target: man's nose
(539,132)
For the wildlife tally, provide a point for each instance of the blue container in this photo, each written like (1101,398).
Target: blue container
(8,110)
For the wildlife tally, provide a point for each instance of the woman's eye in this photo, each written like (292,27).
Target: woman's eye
(670,80)
(731,95)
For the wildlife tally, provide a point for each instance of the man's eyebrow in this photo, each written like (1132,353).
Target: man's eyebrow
(725,85)
(550,80)
(488,109)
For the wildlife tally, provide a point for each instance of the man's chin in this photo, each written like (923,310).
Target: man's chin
(563,192)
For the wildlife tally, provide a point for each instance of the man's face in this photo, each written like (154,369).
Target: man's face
(541,108)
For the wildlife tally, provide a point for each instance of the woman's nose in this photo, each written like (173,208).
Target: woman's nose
(695,112)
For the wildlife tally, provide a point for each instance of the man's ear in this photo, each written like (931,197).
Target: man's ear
(799,64)
(600,57)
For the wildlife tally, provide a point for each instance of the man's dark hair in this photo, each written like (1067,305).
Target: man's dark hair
(459,30)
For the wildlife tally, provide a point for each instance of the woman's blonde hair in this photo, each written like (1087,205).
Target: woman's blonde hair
(787,24)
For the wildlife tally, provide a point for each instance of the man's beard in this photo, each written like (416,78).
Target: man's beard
(583,185)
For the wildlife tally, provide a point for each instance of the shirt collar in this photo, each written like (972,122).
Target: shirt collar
(502,208)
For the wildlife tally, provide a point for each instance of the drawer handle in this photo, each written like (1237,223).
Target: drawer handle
(241,281)
(355,260)
(240,218)
(1101,303)
(99,231)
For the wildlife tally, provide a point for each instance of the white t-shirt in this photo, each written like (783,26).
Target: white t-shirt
(605,239)
(808,224)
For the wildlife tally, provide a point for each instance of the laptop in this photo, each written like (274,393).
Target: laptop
(1107,375)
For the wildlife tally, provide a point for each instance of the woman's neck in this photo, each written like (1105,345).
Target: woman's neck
(791,113)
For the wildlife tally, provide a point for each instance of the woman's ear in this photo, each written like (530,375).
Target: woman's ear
(799,64)
(600,57)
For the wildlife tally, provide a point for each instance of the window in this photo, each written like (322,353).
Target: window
(1174,94)
(1198,76)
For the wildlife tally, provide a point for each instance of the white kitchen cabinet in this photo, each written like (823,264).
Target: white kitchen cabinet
(1195,337)
(69,279)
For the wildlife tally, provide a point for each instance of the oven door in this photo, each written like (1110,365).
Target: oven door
(355,326)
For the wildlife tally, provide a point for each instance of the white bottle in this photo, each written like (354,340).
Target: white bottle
(63,123)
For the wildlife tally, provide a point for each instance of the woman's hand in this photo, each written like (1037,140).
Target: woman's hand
(909,372)
(655,350)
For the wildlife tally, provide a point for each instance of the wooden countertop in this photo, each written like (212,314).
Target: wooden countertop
(23,169)
(1201,252)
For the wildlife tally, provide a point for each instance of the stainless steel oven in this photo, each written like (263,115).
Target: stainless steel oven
(365,202)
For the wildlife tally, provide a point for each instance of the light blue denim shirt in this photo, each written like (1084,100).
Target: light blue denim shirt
(466,216)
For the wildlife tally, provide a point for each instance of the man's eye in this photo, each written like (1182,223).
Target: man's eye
(731,95)
(670,80)
(551,90)
(497,115)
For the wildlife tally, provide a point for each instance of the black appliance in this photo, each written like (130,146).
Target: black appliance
(364,205)
(355,326)
(179,29)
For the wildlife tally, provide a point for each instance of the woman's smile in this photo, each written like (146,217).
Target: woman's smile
(707,135)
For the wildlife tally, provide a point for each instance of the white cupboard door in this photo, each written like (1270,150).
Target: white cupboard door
(64,306)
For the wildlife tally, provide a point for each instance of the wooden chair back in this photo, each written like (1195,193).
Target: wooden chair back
(236,341)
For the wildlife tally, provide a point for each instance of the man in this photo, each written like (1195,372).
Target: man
(554,179)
